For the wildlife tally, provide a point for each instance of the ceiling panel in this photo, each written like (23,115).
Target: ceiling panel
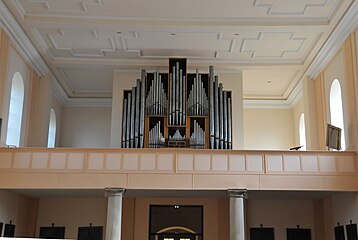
(271,82)
(199,9)
(272,41)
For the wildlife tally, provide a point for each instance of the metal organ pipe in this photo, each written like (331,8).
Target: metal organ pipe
(216,112)
(128,127)
(225,120)
(229,123)
(124,124)
(221,116)
(211,111)
(142,108)
(137,114)
(197,138)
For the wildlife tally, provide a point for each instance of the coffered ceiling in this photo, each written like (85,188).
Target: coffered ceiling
(272,41)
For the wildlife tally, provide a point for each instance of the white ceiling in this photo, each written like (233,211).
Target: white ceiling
(272,41)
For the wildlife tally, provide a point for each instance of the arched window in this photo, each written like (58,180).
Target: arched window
(302,132)
(336,108)
(15,111)
(52,130)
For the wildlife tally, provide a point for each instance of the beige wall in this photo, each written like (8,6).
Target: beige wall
(16,64)
(4,52)
(268,129)
(310,111)
(339,208)
(40,110)
(335,70)
(281,214)
(85,127)
(16,208)
(71,213)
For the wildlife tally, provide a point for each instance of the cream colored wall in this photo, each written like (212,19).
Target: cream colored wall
(41,105)
(15,208)
(86,127)
(216,216)
(16,64)
(310,110)
(4,52)
(269,129)
(297,111)
(281,214)
(335,70)
(8,206)
(339,208)
(356,42)
(72,213)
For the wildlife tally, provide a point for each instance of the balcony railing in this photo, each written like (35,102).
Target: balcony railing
(177,169)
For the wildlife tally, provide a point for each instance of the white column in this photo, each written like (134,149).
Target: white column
(114,213)
(237,214)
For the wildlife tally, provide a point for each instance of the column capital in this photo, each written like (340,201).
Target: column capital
(110,192)
(237,193)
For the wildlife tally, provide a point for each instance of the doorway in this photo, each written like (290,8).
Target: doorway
(176,222)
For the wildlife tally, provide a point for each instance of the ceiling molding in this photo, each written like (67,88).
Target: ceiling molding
(88,102)
(296,95)
(21,41)
(58,92)
(266,103)
(289,103)
(345,27)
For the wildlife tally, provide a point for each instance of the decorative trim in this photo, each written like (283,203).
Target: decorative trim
(114,192)
(88,102)
(296,95)
(345,27)
(237,193)
(266,103)
(285,21)
(21,41)
(59,92)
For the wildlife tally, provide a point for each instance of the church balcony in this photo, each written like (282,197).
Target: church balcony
(185,169)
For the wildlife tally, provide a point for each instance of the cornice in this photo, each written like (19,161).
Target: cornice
(345,27)
(88,102)
(295,96)
(21,41)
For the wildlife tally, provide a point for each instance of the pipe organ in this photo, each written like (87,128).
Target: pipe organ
(177,109)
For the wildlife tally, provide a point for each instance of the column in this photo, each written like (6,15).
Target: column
(237,214)
(114,213)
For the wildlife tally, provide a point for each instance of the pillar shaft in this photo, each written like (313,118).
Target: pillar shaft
(237,214)
(114,213)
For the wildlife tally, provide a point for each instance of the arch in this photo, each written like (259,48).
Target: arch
(302,132)
(15,110)
(336,109)
(51,140)
(176,228)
